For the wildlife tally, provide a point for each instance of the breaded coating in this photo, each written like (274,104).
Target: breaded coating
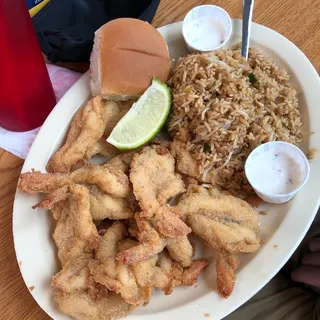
(168,223)
(226,265)
(154,179)
(151,243)
(180,250)
(75,233)
(104,206)
(82,306)
(185,162)
(222,221)
(227,224)
(109,179)
(86,128)
(113,274)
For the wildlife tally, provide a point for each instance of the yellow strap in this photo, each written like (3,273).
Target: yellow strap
(33,11)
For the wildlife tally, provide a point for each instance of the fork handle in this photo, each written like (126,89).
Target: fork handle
(247,9)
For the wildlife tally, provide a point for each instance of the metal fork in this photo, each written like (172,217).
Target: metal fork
(247,8)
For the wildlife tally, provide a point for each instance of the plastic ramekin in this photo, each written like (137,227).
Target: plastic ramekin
(291,150)
(207,11)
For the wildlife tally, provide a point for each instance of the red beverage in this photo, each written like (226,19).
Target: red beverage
(26,94)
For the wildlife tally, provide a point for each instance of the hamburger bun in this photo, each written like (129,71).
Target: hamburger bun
(126,54)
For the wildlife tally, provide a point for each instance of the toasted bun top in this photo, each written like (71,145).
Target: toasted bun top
(127,54)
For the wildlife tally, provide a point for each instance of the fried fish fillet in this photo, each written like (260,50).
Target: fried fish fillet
(154,179)
(103,268)
(105,206)
(167,222)
(185,162)
(75,233)
(113,274)
(131,291)
(168,274)
(226,265)
(75,275)
(89,128)
(180,250)
(227,224)
(151,243)
(114,113)
(79,296)
(102,205)
(109,179)
(86,128)
(154,183)
(136,282)
(222,221)
(38,182)
(122,161)
(80,305)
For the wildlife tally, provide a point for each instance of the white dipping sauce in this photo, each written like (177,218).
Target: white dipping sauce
(275,172)
(205,34)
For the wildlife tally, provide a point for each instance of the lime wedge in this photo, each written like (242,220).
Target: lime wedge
(145,118)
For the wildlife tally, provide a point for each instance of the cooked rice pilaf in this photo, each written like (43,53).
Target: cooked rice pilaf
(225,106)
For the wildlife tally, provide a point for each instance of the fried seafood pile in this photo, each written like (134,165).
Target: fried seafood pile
(118,237)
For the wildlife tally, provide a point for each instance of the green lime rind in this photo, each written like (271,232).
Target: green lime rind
(145,118)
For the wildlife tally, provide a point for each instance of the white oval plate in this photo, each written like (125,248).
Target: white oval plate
(282,228)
